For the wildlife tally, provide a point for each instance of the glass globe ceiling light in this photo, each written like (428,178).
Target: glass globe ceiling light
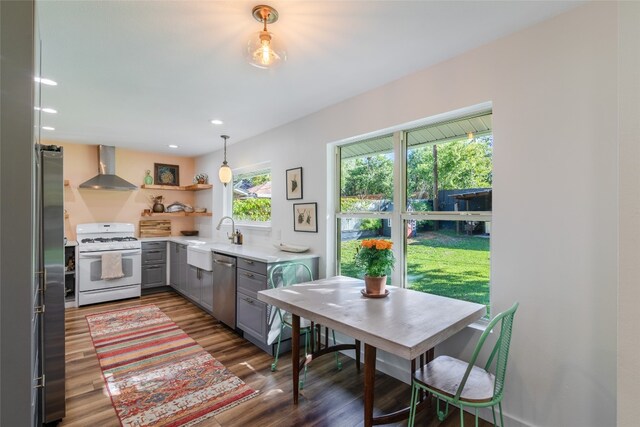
(262,50)
(225,173)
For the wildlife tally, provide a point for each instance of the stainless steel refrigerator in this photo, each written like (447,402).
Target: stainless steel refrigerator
(49,285)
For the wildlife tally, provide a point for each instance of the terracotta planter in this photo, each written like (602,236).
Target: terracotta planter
(375,285)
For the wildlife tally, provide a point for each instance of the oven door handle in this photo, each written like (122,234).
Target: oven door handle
(99,254)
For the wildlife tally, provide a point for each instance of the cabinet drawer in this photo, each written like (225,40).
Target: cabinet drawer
(153,245)
(251,265)
(154,275)
(252,316)
(155,254)
(250,283)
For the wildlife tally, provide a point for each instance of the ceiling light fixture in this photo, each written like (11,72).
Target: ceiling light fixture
(48,128)
(262,50)
(217,122)
(173,146)
(225,173)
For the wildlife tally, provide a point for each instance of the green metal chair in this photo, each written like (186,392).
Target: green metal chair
(463,384)
(284,275)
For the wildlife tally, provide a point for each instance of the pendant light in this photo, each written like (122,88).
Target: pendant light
(262,50)
(225,173)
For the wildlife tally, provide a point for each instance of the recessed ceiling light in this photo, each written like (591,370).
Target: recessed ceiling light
(47,82)
(48,128)
(173,146)
(217,122)
(46,110)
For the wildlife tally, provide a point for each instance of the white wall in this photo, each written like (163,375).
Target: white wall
(554,242)
(629,209)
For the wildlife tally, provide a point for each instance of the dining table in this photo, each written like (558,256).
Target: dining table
(406,322)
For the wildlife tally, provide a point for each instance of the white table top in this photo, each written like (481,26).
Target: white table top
(406,323)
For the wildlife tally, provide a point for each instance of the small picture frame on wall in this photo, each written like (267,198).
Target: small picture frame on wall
(294,184)
(305,217)
(166,174)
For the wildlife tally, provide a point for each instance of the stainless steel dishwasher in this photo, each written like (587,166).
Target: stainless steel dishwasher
(224,289)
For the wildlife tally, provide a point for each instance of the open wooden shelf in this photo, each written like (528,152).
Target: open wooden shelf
(193,187)
(176,214)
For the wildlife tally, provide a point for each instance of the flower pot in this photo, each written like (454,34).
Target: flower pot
(375,285)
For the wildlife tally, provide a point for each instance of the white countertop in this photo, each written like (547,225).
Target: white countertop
(266,254)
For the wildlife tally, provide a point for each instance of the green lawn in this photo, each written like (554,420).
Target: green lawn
(440,263)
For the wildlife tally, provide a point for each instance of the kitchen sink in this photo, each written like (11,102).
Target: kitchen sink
(200,257)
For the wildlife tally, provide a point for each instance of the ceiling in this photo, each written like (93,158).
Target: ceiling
(146,74)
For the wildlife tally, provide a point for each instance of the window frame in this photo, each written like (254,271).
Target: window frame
(228,198)
(400,214)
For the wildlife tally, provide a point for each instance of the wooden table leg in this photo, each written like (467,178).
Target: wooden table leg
(358,349)
(295,355)
(369,383)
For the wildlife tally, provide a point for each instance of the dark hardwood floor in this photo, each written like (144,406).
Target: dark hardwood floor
(329,398)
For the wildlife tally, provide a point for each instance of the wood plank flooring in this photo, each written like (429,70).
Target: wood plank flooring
(329,398)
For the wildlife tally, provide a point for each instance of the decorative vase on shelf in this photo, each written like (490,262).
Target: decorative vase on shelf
(148,180)
(158,207)
(375,285)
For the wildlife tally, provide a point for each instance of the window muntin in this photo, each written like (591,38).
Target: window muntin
(251,200)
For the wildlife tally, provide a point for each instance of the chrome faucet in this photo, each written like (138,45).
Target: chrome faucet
(233,227)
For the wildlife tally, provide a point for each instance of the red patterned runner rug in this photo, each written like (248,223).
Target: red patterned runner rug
(156,374)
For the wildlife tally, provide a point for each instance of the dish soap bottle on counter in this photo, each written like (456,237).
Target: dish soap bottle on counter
(238,237)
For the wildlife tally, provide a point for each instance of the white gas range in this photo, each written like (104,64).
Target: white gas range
(95,240)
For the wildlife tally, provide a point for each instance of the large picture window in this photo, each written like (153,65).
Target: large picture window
(443,204)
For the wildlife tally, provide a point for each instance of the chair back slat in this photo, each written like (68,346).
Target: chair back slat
(500,351)
(283,275)
(502,346)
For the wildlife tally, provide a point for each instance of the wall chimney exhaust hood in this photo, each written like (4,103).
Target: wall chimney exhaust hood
(107,178)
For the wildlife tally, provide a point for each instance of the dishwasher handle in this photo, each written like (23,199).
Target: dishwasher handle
(226,264)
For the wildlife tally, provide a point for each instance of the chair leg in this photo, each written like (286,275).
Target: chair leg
(461,416)
(476,417)
(414,403)
(274,365)
(306,352)
(338,362)
(493,412)
(501,418)
(441,415)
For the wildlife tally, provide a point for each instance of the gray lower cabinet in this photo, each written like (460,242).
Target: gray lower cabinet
(206,281)
(200,287)
(252,315)
(178,267)
(154,264)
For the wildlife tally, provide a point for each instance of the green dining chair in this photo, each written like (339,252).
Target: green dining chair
(462,384)
(284,275)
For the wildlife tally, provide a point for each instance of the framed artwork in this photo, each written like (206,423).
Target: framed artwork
(305,217)
(166,174)
(294,184)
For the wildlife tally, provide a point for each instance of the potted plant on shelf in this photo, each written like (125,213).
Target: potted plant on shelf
(376,258)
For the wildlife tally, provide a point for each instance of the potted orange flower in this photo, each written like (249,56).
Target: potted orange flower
(376,258)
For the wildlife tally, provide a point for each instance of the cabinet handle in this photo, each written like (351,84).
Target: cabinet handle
(153,267)
(152,252)
(249,275)
(39,309)
(250,301)
(248,262)
(39,382)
